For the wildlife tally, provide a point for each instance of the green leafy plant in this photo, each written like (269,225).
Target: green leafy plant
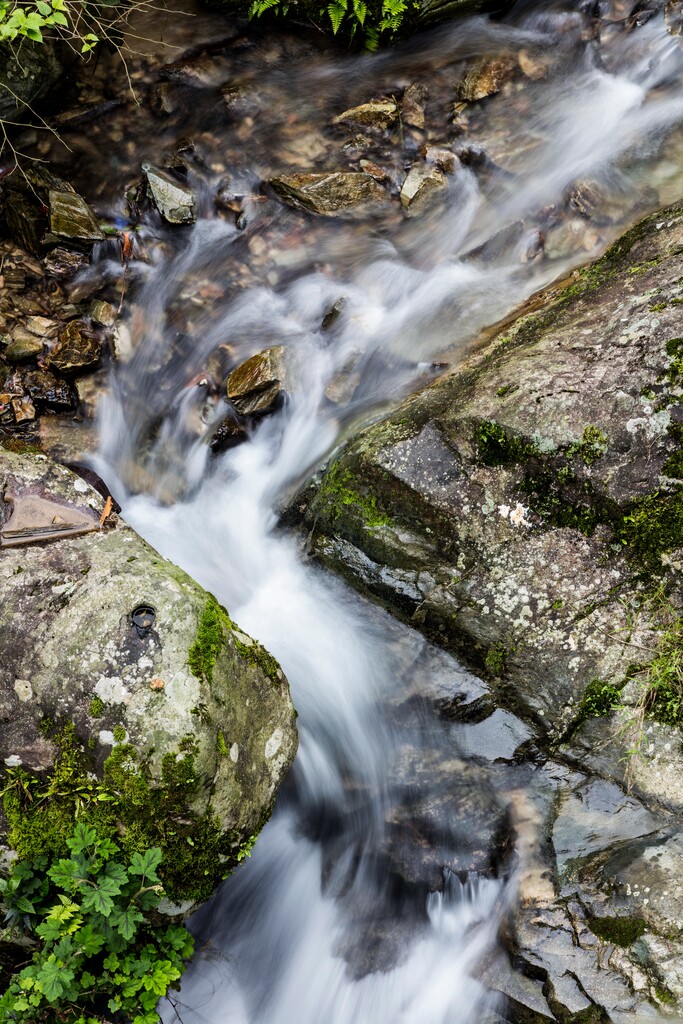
(66,18)
(99,954)
(377,22)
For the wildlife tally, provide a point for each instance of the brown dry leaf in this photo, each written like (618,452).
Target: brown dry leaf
(106,510)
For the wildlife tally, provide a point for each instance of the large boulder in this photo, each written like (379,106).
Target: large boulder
(126,691)
(526,512)
(519,509)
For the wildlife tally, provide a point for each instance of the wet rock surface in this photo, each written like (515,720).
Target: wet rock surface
(491,484)
(328,194)
(72,653)
(494,511)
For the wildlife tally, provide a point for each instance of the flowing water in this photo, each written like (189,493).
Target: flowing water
(376,893)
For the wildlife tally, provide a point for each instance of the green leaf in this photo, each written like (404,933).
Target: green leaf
(64,873)
(53,979)
(126,921)
(89,941)
(336,12)
(43,8)
(83,838)
(116,872)
(24,905)
(146,863)
(99,901)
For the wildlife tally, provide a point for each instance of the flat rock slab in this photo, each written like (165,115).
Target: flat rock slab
(329,194)
(375,114)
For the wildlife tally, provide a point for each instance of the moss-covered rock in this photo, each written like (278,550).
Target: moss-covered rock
(127,694)
(522,509)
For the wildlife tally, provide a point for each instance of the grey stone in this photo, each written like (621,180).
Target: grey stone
(174,201)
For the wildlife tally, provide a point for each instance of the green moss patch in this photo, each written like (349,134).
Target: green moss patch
(652,525)
(497,446)
(337,495)
(215,629)
(622,931)
(210,640)
(599,700)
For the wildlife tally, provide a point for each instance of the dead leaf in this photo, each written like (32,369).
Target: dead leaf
(106,511)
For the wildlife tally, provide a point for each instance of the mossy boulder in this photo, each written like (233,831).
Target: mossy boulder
(127,694)
(524,509)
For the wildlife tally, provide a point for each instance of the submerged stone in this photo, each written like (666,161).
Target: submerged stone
(258,385)
(78,349)
(330,193)
(420,185)
(375,114)
(486,78)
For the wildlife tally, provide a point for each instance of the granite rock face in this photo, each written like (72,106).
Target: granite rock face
(519,509)
(526,513)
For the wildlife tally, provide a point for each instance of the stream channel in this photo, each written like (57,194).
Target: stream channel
(377,892)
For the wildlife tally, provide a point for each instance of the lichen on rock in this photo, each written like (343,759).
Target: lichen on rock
(127,725)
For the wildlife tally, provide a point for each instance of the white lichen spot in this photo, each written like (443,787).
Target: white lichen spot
(81,486)
(243,638)
(106,738)
(544,444)
(274,743)
(518,516)
(13,761)
(23,689)
(235,752)
(111,690)
(504,511)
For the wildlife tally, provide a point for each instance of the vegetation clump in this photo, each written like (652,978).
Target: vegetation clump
(375,21)
(99,956)
(662,697)
(599,700)
(127,805)
(497,447)
(215,626)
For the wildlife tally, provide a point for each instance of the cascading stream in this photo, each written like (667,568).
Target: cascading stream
(369,898)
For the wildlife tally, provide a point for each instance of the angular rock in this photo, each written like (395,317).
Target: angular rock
(174,201)
(329,194)
(46,390)
(102,313)
(71,219)
(74,656)
(23,409)
(78,349)
(413,105)
(420,185)
(485,78)
(258,385)
(377,114)
(42,210)
(64,263)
